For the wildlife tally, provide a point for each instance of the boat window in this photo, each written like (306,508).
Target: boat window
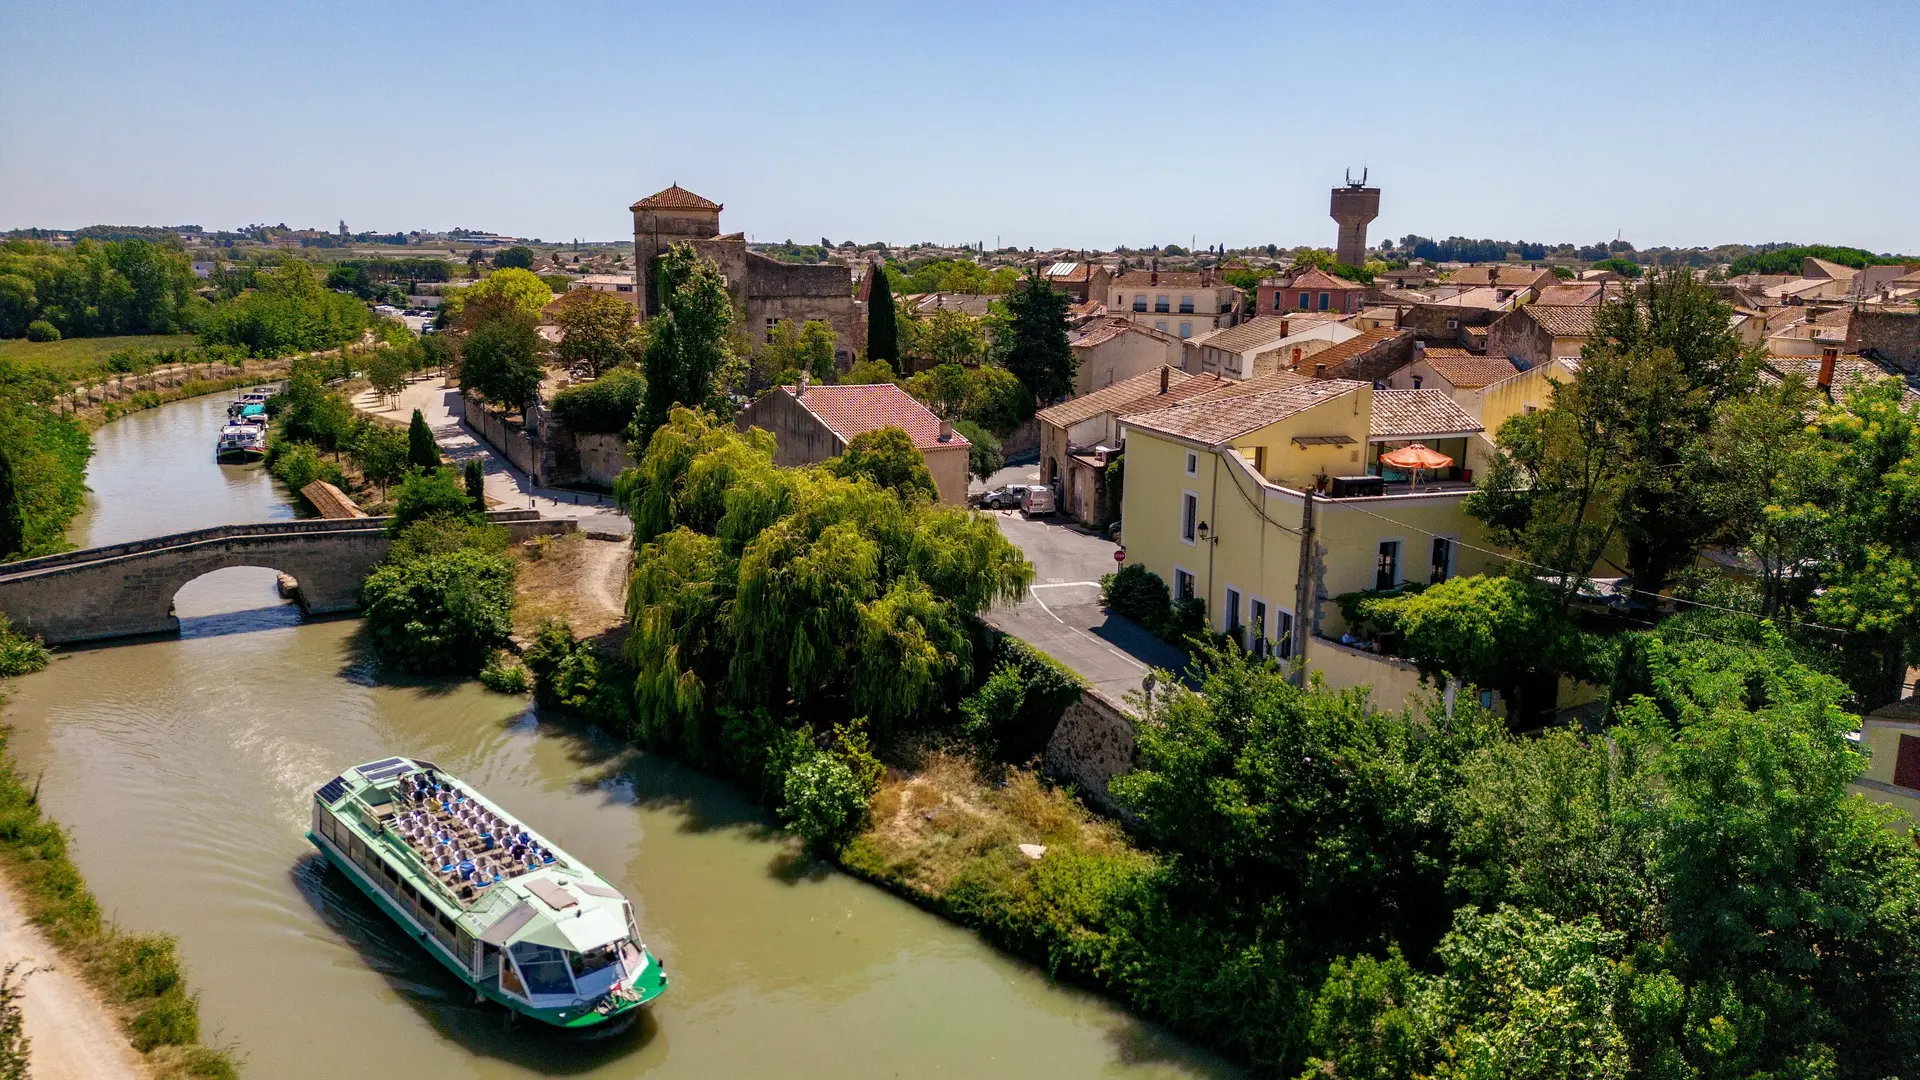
(544,968)
(586,963)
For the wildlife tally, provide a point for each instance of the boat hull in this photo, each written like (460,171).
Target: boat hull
(239,456)
(651,983)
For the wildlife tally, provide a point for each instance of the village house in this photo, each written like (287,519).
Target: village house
(812,424)
(1538,333)
(620,285)
(1183,303)
(1373,356)
(765,291)
(1890,735)
(1256,500)
(1081,280)
(1078,437)
(1114,350)
(1265,343)
(1311,290)
(1504,279)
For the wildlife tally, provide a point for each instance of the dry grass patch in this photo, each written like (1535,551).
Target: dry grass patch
(947,815)
(574,578)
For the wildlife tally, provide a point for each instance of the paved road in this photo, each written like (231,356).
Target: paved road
(506,485)
(1062,615)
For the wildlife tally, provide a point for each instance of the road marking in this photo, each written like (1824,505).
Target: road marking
(1045,608)
(1064,584)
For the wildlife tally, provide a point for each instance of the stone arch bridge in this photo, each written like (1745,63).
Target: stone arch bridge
(126,589)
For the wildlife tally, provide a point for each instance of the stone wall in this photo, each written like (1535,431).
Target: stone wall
(510,440)
(1889,336)
(602,458)
(1092,744)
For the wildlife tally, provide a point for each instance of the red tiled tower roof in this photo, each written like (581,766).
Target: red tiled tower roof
(675,198)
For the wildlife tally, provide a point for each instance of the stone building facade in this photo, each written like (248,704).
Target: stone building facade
(765,291)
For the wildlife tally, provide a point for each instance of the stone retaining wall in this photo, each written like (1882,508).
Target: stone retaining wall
(1092,744)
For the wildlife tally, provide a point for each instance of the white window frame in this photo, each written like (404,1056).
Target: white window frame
(1186,330)
(1177,571)
(1232,602)
(1292,640)
(1190,531)
(1399,561)
(1193,463)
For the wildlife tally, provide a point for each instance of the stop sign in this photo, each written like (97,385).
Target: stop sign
(1119,555)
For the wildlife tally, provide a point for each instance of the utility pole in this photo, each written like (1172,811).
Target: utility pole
(1305,611)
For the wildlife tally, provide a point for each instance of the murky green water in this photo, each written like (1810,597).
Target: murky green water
(185,768)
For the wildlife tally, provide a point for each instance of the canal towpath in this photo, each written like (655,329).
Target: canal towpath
(73,1034)
(442,408)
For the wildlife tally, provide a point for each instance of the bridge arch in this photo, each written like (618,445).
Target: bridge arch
(128,589)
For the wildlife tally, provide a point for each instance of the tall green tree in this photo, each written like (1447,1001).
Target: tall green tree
(689,360)
(1624,452)
(596,331)
(789,351)
(380,453)
(887,457)
(1034,344)
(883,333)
(422,451)
(475,475)
(501,356)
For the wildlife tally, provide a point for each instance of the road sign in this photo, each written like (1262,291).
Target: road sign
(1119,555)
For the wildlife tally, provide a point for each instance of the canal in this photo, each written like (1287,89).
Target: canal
(185,768)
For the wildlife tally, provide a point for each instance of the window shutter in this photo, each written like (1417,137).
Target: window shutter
(1906,766)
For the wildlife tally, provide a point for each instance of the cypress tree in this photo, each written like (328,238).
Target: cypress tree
(12,529)
(883,334)
(477,483)
(421,449)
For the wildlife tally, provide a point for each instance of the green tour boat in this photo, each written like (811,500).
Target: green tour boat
(519,920)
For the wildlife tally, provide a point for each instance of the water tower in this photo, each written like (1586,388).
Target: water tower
(1353,207)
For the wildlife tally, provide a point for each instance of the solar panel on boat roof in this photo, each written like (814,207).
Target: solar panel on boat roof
(383,770)
(335,788)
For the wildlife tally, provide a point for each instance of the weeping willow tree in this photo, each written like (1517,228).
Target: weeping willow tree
(761,592)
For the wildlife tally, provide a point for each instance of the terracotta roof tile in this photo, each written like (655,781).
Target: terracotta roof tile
(1106,331)
(1467,371)
(1563,320)
(1406,414)
(1259,332)
(852,410)
(1317,278)
(1136,394)
(1218,420)
(1352,347)
(1259,384)
(675,198)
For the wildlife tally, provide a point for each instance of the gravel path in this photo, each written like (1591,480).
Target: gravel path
(74,1037)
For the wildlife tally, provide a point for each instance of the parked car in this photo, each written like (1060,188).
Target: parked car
(1005,497)
(1037,499)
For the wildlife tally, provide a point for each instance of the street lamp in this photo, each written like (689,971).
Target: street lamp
(1203,530)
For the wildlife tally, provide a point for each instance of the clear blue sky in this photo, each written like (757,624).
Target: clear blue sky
(1038,123)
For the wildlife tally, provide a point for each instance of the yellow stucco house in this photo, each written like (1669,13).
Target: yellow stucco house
(1244,497)
(1891,736)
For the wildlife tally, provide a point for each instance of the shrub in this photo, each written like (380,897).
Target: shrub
(298,464)
(1139,594)
(823,800)
(19,654)
(431,494)
(42,330)
(439,535)
(1013,713)
(984,457)
(505,675)
(442,613)
(604,406)
(573,675)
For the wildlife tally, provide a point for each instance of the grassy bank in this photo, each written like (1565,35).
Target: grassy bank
(93,416)
(138,975)
(70,358)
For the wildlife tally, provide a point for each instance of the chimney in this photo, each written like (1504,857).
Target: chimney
(800,390)
(1284,323)
(946,430)
(1163,378)
(1319,371)
(1825,382)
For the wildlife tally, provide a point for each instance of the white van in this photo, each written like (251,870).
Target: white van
(1037,499)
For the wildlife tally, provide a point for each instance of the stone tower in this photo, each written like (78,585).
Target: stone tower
(661,220)
(1353,207)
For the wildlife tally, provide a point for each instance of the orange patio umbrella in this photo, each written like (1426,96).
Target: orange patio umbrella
(1415,457)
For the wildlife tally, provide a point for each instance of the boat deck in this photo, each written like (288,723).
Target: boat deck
(455,838)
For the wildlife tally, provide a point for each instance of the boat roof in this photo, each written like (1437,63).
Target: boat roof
(562,904)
